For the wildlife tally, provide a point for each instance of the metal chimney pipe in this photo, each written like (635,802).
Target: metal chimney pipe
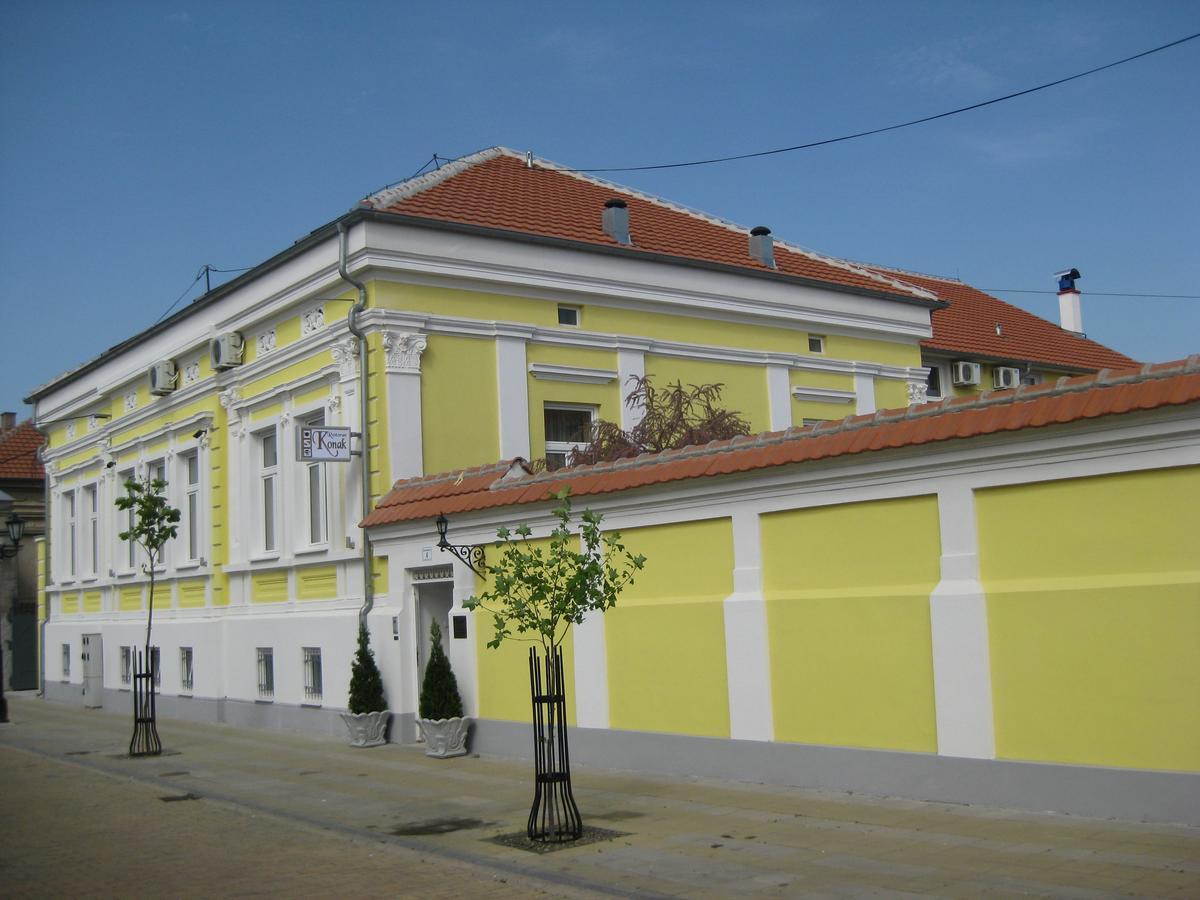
(616,220)
(762,245)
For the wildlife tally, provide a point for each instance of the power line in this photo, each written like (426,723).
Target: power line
(203,273)
(1098,294)
(186,291)
(860,134)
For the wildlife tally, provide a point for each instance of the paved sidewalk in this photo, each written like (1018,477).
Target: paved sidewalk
(231,812)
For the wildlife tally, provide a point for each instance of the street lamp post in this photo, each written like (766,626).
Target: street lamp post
(16,531)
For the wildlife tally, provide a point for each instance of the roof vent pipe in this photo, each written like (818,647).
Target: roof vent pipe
(1070,316)
(616,220)
(762,245)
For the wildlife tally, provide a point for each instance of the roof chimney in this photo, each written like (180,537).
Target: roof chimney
(762,245)
(616,220)
(8,420)
(1070,317)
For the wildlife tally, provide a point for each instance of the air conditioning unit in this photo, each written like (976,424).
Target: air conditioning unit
(226,350)
(965,373)
(163,377)
(1005,377)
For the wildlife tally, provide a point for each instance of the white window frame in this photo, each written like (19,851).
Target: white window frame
(943,370)
(66,662)
(316,508)
(574,311)
(156,469)
(187,671)
(267,484)
(91,529)
(313,675)
(265,658)
(70,504)
(127,551)
(565,448)
(819,341)
(155,663)
(192,509)
(126,665)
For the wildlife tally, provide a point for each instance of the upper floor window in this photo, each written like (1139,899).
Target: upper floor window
(268,477)
(191,504)
(156,470)
(568,428)
(71,526)
(91,541)
(315,493)
(933,384)
(568,315)
(816,343)
(125,522)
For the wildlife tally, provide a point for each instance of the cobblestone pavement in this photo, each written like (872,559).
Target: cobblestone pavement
(231,812)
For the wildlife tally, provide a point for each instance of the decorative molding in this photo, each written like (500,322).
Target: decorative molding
(403,351)
(191,372)
(918,393)
(547,372)
(333,404)
(822,395)
(264,342)
(345,355)
(70,431)
(312,321)
(130,400)
(229,398)
(205,439)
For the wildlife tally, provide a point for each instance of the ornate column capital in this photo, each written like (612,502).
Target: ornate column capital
(345,355)
(403,351)
(918,393)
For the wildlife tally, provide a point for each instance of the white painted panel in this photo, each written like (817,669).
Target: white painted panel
(514,397)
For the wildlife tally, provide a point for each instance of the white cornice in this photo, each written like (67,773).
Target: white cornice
(823,395)
(547,372)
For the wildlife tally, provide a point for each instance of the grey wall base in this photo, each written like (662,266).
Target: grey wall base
(1136,795)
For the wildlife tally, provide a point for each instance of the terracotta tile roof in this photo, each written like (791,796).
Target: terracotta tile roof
(18,453)
(968,327)
(1069,400)
(496,189)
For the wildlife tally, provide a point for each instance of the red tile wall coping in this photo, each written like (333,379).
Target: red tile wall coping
(1110,392)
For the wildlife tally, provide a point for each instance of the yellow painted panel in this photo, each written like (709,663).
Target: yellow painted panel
(889,353)
(78,457)
(91,601)
(890,394)
(287,331)
(269,587)
(1094,618)
(130,597)
(459,406)
(312,397)
(379,574)
(465,304)
(288,374)
(680,593)
(207,404)
(191,592)
(694,330)
(836,381)
(847,593)
(158,448)
(745,388)
(70,603)
(316,583)
(270,411)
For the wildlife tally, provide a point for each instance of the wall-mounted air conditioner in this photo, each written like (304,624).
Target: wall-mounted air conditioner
(1005,377)
(226,350)
(163,377)
(965,373)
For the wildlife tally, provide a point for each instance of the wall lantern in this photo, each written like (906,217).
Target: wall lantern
(16,531)
(472,556)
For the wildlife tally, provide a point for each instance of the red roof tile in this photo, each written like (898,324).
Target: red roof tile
(495,189)
(1071,399)
(18,453)
(968,327)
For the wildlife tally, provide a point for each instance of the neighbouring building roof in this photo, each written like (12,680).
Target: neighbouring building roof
(967,327)
(1030,406)
(19,453)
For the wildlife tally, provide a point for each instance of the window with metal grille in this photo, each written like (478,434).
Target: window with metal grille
(66,661)
(126,665)
(568,427)
(266,672)
(185,669)
(312,673)
(156,667)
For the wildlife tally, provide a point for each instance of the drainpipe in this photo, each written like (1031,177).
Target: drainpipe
(352,321)
(47,543)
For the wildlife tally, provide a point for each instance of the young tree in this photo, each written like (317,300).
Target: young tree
(440,698)
(154,523)
(366,684)
(677,416)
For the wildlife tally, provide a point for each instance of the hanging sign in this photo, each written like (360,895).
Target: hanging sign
(323,443)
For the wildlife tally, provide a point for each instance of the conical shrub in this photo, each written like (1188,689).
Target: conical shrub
(366,684)
(439,689)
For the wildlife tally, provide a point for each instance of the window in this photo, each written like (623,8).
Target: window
(66,661)
(568,315)
(157,471)
(191,504)
(567,428)
(126,521)
(266,672)
(126,665)
(314,489)
(312,673)
(71,526)
(91,541)
(816,343)
(156,666)
(933,384)
(185,669)
(268,475)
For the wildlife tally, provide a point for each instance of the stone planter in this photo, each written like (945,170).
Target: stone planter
(445,737)
(367,729)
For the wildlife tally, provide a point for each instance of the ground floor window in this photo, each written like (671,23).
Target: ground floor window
(312,673)
(126,665)
(66,661)
(185,668)
(155,666)
(266,672)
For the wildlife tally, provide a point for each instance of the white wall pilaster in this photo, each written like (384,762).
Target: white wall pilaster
(962,678)
(463,653)
(630,364)
(403,367)
(513,390)
(747,650)
(591,672)
(864,393)
(779,396)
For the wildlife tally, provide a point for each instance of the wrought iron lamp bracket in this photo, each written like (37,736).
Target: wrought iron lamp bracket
(471,556)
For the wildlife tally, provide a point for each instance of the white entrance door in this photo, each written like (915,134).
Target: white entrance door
(434,600)
(93,671)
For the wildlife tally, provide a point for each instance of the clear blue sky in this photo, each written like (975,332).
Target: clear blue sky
(142,140)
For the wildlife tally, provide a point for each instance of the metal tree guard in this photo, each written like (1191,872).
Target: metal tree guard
(145,740)
(554,817)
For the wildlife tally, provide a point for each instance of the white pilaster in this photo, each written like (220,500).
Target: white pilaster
(591,672)
(747,650)
(962,678)
(402,353)
(630,364)
(864,393)
(512,381)
(463,653)
(779,395)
